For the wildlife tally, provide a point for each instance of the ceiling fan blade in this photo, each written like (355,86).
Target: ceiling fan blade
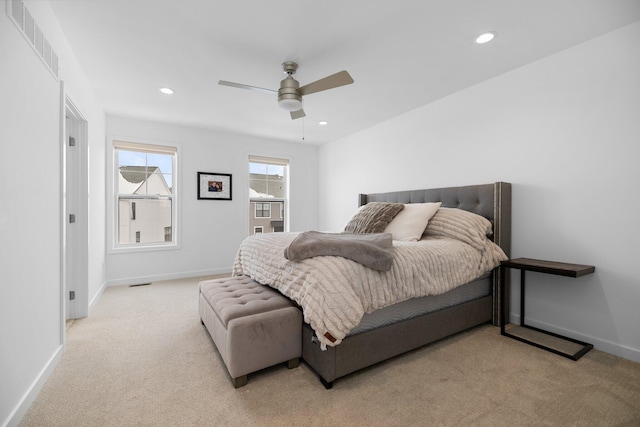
(338,79)
(297,114)
(241,86)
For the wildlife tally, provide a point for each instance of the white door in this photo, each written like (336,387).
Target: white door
(76,219)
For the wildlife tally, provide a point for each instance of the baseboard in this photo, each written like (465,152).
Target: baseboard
(603,345)
(32,392)
(98,294)
(168,276)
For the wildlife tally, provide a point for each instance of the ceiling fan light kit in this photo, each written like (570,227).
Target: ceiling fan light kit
(290,93)
(289,104)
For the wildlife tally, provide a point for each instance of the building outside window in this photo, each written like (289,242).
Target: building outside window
(268,179)
(145,196)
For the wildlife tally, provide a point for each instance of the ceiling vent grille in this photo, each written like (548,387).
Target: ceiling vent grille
(23,20)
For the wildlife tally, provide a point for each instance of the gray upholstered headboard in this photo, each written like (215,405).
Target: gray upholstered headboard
(492,201)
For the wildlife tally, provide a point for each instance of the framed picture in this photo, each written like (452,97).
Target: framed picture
(214,186)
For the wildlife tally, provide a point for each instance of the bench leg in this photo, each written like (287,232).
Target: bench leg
(293,363)
(240,381)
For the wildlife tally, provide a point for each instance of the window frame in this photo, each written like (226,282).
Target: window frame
(284,201)
(149,147)
(262,210)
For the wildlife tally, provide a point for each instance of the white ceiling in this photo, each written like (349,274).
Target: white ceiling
(402,54)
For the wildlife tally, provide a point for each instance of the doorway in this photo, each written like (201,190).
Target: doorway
(76,213)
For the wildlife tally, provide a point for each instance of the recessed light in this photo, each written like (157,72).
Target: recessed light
(323,123)
(485,37)
(166,90)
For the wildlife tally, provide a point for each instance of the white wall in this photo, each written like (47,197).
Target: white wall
(210,231)
(566,132)
(31,308)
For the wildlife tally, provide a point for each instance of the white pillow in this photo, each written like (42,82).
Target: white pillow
(410,222)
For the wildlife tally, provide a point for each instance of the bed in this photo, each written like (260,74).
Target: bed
(374,335)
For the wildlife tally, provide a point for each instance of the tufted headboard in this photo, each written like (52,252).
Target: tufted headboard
(492,201)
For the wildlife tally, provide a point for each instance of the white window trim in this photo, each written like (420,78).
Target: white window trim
(258,227)
(112,196)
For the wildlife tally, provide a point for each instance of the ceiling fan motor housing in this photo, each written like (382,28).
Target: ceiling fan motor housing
(288,96)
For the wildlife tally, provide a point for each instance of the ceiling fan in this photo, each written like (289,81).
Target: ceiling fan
(290,93)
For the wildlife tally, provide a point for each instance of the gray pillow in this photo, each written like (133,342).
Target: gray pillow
(462,225)
(373,217)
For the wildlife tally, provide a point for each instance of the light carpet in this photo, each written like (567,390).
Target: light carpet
(142,358)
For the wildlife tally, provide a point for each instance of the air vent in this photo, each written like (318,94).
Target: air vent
(47,53)
(17,10)
(23,20)
(29,26)
(39,41)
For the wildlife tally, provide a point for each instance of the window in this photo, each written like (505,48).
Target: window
(145,197)
(268,180)
(263,210)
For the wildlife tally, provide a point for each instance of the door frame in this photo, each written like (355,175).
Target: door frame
(75,201)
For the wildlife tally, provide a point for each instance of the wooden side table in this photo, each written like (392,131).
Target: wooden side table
(548,267)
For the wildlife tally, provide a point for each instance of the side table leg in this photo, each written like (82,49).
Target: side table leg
(522,297)
(503,291)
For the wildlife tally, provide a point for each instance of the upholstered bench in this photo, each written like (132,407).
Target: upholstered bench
(252,325)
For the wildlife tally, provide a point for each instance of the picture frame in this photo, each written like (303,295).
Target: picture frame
(214,186)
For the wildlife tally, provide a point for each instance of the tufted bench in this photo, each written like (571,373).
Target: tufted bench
(252,325)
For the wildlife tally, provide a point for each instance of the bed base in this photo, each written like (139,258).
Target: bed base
(371,347)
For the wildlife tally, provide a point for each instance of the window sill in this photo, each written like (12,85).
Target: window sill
(143,248)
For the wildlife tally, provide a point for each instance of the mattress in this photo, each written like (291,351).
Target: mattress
(415,307)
